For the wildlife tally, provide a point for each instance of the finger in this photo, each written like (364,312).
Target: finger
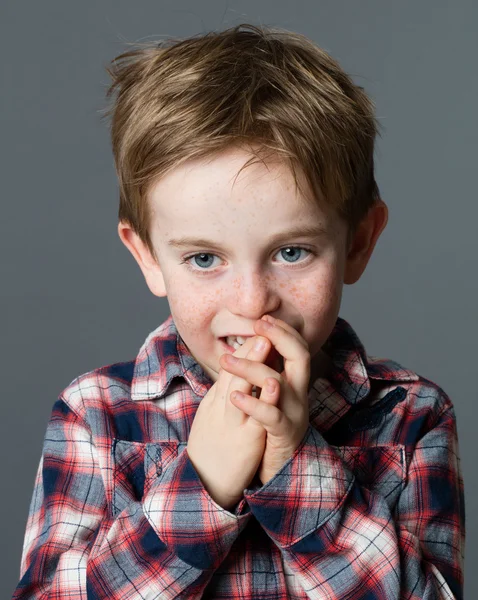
(270,393)
(256,389)
(247,348)
(249,369)
(231,381)
(284,325)
(269,416)
(296,355)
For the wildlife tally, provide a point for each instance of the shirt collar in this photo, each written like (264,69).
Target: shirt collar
(164,356)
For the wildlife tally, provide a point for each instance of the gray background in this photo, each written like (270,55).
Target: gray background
(72,297)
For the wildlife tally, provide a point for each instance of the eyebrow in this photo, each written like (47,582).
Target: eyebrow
(309,231)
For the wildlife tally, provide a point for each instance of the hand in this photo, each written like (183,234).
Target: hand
(283,412)
(225,445)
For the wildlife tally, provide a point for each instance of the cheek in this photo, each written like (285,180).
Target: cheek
(192,310)
(318,300)
(317,293)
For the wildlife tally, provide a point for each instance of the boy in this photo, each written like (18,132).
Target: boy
(248,198)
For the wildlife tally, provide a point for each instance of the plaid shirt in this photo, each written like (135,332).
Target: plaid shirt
(369,506)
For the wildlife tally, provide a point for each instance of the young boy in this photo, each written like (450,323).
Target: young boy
(248,198)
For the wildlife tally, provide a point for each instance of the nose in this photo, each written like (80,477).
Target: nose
(252,295)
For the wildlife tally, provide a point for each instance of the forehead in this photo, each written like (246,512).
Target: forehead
(215,193)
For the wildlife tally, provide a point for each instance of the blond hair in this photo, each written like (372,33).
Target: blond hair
(246,86)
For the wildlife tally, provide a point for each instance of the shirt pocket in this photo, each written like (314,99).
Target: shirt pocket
(136,465)
(380,469)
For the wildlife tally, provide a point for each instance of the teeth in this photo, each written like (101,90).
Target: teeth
(235,341)
(231,340)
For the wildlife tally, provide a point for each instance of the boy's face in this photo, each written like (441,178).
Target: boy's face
(241,270)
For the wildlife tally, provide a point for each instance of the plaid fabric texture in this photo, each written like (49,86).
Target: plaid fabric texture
(370,506)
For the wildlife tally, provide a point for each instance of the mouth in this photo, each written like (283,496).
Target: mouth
(228,348)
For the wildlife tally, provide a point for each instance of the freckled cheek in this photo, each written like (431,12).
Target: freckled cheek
(319,313)
(192,311)
(315,293)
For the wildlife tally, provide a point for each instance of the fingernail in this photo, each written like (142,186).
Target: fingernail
(270,387)
(266,324)
(260,344)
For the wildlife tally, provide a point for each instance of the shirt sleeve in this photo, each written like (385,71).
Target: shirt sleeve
(342,540)
(166,545)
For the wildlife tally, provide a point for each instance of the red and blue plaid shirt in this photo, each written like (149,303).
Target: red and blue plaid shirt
(370,505)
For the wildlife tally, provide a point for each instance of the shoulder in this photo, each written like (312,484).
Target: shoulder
(100,389)
(423,391)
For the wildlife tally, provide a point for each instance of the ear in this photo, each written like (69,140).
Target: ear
(150,268)
(364,240)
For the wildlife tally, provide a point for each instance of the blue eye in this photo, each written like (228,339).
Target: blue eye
(203,259)
(291,248)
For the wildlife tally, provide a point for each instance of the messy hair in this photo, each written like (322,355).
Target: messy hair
(270,91)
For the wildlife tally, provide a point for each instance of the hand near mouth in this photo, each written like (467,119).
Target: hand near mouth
(284,410)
